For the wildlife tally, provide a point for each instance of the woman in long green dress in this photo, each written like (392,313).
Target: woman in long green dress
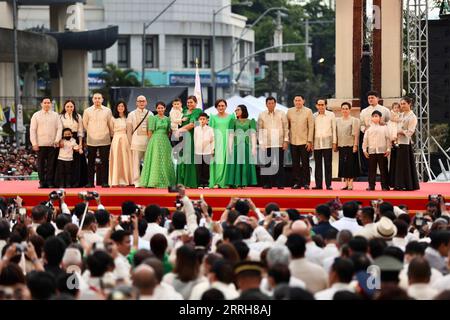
(158,170)
(186,170)
(219,166)
(242,147)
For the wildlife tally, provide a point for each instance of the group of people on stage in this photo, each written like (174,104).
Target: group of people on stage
(219,151)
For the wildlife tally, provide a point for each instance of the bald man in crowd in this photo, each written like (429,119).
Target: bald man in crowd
(144,279)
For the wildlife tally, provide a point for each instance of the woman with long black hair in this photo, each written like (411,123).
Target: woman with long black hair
(70,118)
(403,166)
(120,159)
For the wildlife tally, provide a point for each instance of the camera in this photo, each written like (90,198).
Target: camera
(56,195)
(22,214)
(277,214)
(419,221)
(21,247)
(88,195)
(376,203)
(434,197)
(125,218)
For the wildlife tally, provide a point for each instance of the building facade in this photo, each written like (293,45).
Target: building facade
(173,43)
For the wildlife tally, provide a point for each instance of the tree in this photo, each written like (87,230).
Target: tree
(303,76)
(116,77)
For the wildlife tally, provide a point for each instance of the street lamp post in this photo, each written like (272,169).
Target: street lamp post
(213,60)
(144,28)
(244,31)
(16,70)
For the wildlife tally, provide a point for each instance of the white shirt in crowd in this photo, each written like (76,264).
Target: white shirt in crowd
(313,275)
(346,223)
(203,140)
(152,229)
(329,293)
(314,253)
(122,268)
(165,291)
(228,290)
(422,291)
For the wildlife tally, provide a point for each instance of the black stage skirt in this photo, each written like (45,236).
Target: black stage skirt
(348,163)
(403,170)
(79,167)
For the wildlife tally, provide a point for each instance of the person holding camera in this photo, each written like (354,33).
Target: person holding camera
(97,121)
(45,135)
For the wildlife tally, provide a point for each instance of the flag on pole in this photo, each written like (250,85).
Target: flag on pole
(198,86)
(12,118)
(2,116)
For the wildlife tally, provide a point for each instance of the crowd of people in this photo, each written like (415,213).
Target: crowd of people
(16,161)
(222,150)
(341,252)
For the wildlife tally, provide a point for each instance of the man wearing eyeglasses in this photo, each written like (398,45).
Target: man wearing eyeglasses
(137,135)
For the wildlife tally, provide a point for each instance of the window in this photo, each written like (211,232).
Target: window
(123,44)
(98,58)
(196,48)
(150,52)
(185,53)
(206,53)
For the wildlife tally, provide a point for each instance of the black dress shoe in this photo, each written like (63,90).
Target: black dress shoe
(296,187)
(329,188)
(89,185)
(370,189)
(105,185)
(346,188)
(386,189)
(50,186)
(317,188)
(42,186)
(306,187)
(267,187)
(280,188)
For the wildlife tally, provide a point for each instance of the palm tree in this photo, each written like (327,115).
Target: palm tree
(116,77)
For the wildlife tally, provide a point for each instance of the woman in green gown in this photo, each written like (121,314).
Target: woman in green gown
(219,166)
(242,147)
(158,170)
(186,170)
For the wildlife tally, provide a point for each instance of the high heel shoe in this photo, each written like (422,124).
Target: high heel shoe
(346,188)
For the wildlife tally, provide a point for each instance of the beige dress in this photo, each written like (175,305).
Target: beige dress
(120,171)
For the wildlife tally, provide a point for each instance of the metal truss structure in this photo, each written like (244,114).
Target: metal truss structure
(416,12)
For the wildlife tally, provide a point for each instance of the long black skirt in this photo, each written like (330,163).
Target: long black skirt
(348,163)
(79,168)
(403,170)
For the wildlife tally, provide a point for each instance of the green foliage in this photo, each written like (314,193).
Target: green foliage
(441,132)
(116,77)
(303,76)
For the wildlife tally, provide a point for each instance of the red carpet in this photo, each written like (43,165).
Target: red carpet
(304,200)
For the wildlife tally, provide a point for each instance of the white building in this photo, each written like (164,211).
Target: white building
(182,34)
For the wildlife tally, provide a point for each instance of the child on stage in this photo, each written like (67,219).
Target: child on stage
(65,159)
(377,148)
(204,149)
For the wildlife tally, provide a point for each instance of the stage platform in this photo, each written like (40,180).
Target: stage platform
(303,200)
